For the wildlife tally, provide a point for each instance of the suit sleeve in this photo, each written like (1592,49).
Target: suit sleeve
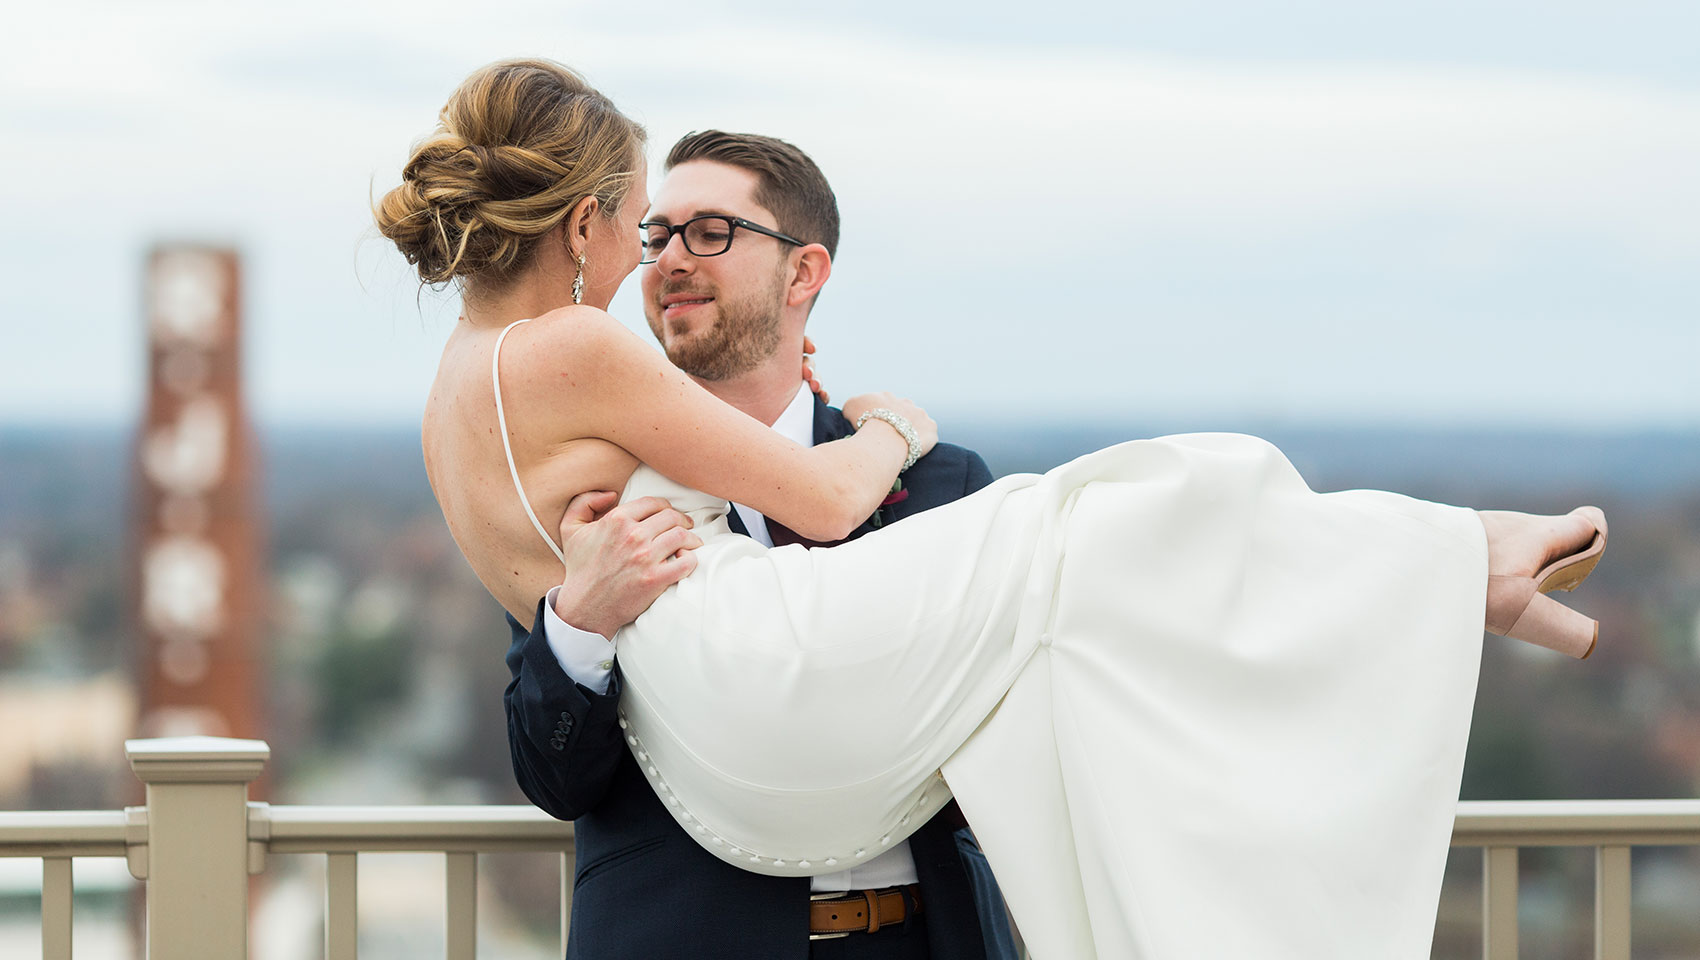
(976,473)
(563,738)
(587,658)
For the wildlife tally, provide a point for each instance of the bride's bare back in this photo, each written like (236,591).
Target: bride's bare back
(468,469)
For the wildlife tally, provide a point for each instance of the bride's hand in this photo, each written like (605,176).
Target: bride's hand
(925,429)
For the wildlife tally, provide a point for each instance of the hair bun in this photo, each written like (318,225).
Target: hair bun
(519,144)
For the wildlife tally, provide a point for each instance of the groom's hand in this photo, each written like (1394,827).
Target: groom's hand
(811,375)
(618,558)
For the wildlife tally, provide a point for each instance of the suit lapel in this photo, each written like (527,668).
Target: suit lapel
(735,521)
(830,423)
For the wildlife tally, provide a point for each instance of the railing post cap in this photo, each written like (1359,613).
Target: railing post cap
(197,759)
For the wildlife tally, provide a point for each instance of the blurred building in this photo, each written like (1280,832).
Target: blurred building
(197,564)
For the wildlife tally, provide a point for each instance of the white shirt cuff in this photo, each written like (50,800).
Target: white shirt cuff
(586,658)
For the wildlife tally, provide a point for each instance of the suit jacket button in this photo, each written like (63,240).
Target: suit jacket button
(566,716)
(557,743)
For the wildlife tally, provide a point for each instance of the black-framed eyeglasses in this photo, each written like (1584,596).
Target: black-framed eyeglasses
(709,235)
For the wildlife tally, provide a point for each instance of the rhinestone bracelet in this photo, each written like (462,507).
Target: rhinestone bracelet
(901,424)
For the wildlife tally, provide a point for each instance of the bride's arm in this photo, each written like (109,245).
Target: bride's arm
(622,390)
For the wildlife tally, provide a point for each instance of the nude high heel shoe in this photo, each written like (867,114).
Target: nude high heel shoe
(1518,607)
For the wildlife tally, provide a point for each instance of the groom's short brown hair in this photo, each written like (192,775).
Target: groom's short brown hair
(787,181)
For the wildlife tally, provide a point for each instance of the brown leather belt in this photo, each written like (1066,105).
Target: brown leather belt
(860,911)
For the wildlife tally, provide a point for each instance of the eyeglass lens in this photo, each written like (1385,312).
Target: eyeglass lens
(703,236)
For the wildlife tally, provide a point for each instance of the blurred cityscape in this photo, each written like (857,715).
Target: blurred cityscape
(382,662)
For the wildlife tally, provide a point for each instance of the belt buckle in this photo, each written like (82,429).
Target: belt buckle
(828,896)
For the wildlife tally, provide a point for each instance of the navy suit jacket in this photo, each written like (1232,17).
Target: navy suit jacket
(642,888)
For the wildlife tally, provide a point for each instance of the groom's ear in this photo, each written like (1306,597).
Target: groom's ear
(812,268)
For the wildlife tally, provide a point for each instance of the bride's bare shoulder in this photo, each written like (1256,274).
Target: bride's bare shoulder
(579,326)
(572,341)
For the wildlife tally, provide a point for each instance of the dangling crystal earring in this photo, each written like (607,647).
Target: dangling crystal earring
(578,281)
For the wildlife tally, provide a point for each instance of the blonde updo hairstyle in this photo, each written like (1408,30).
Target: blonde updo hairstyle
(517,147)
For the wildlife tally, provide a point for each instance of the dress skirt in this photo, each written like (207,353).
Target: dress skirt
(1191,708)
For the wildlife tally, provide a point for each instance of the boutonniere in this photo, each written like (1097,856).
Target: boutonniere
(897,495)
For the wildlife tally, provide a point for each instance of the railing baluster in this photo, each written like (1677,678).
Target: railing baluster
(1611,903)
(1499,903)
(56,908)
(566,898)
(462,877)
(342,906)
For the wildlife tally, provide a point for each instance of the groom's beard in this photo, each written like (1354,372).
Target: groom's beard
(743,335)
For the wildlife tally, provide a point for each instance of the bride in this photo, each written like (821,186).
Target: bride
(1190,707)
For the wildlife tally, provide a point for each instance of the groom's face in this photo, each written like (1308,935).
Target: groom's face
(717,317)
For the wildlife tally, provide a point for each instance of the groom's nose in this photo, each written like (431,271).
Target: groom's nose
(675,259)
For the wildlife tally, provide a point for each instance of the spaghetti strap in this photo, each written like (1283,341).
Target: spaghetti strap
(507,448)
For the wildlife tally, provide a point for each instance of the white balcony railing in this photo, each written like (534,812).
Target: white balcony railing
(1611,827)
(197,840)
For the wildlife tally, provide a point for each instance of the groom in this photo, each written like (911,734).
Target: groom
(728,303)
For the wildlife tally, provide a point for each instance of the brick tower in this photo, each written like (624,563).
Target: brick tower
(196,566)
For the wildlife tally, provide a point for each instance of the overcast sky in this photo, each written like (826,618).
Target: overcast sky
(1448,212)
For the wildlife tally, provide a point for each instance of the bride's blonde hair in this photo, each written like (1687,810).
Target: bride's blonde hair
(517,146)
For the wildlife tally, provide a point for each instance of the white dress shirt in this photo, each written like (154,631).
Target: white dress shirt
(588,659)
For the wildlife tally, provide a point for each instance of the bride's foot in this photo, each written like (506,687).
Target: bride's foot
(1529,556)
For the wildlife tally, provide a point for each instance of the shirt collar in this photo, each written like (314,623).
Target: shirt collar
(797,423)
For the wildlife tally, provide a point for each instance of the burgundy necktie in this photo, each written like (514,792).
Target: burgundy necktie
(782,535)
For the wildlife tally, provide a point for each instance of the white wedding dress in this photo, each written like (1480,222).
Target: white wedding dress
(1190,708)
